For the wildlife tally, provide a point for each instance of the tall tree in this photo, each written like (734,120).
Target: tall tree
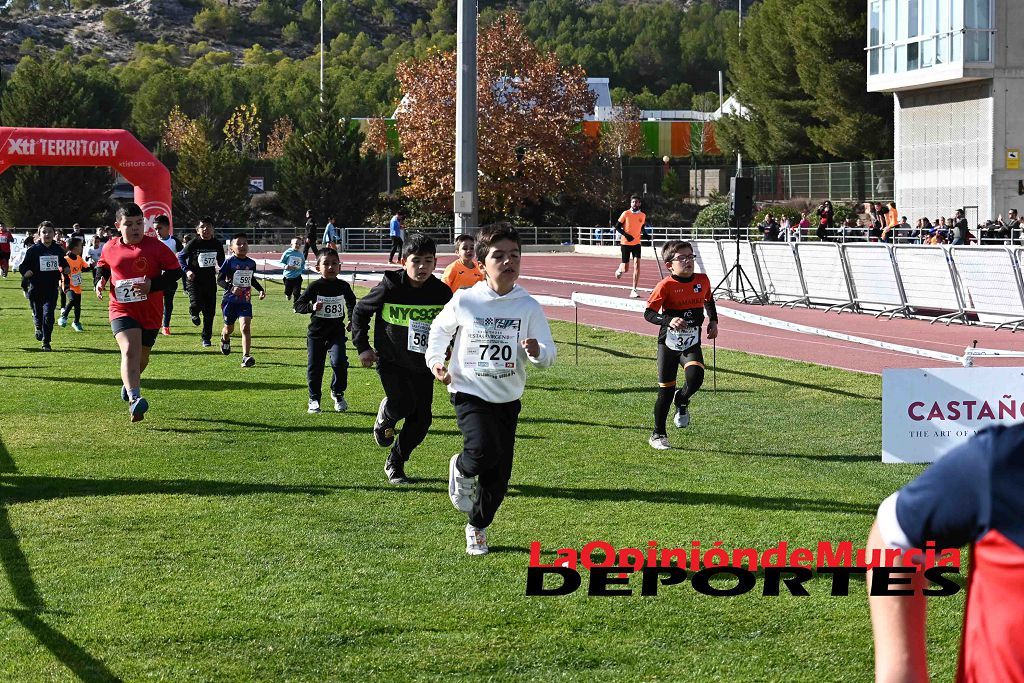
(52,92)
(530,141)
(799,70)
(322,169)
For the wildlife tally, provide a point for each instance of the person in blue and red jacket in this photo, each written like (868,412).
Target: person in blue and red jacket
(972,495)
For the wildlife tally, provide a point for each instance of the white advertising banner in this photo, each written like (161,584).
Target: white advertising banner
(927,412)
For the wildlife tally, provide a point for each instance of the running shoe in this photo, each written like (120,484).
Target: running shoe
(195,319)
(682,418)
(659,442)
(476,540)
(394,468)
(46,346)
(62,321)
(248,361)
(77,327)
(124,393)
(137,409)
(618,273)
(314,406)
(207,343)
(461,489)
(166,331)
(340,404)
(382,434)
(39,334)
(633,294)
(225,345)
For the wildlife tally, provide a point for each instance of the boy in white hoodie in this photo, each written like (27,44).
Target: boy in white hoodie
(498,327)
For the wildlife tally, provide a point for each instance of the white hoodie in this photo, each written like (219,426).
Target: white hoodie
(488,360)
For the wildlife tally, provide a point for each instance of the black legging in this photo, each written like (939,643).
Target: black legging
(74,303)
(396,248)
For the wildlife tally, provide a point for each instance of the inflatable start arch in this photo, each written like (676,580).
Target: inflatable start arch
(117,149)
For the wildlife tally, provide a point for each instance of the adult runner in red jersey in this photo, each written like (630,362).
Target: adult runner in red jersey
(137,267)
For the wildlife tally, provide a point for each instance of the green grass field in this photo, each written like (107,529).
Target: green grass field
(232,536)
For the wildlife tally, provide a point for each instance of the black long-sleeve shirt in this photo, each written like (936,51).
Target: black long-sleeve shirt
(53,256)
(205,275)
(329,322)
(398,309)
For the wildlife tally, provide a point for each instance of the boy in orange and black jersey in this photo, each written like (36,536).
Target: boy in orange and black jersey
(677,304)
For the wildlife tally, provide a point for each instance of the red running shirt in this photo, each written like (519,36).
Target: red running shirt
(147,259)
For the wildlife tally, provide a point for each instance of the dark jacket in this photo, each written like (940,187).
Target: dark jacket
(324,327)
(43,280)
(394,304)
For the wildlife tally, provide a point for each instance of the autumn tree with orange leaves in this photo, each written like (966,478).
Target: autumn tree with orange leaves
(531,144)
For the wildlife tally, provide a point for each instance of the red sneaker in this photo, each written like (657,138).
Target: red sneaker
(166,331)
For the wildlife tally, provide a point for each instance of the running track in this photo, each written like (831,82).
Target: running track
(562,274)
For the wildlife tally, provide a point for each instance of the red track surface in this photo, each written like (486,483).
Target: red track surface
(542,274)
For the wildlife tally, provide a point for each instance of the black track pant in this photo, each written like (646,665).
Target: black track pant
(396,249)
(292,288)
(43,303)
(74,304)
(318,350)
(169,303)
(410,398)
(203,302)
(488,442)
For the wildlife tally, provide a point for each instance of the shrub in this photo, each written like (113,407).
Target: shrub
(713,216)
(117,22)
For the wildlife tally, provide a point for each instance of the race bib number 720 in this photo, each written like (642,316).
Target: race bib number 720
(493,345)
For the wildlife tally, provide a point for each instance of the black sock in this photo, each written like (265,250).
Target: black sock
(661,408)
(694,379)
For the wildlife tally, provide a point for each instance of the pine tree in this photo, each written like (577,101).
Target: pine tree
(322,169)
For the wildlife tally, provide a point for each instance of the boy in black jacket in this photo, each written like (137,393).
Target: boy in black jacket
(403,305)
(42,269)
(200,261)
(327,299)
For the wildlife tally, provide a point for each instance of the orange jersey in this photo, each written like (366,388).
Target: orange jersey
(631,224)
(674,296)
(458,275)
(76,264)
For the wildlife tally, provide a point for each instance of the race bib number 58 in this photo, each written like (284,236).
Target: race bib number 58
(419,333)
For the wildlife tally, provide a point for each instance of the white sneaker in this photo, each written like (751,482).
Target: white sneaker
(633,294)
(476,540)
(314,406)
(618,273)
(682,418)
(340,404)
(659,442)
(461,489)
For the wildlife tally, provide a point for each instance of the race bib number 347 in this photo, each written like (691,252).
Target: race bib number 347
(493,345)
(680,340)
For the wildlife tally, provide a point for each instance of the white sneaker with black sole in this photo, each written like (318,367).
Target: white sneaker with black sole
(461,489)
(633,294)
(314,406)
(682,418)
(382,434)
(476,540)
(340,404)
(659,442)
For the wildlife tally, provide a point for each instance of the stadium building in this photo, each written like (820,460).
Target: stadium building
(956,72)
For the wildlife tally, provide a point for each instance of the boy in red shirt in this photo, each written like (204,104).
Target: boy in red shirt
(5,249)
(138,268)
(677,305)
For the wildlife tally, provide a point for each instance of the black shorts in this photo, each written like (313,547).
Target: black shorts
(630,251)
(125,323)
(669,362)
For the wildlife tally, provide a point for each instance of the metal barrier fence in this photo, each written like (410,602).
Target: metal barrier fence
(370,239)
(839,181)
(960,283)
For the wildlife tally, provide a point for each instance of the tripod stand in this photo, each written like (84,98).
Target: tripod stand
(742,280)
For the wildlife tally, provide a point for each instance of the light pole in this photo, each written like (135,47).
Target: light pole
(465,199)
(321,53)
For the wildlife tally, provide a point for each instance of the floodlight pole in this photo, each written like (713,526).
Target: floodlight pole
(465,200)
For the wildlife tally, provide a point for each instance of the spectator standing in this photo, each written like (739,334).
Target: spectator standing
(310,243)
(397,237)
(770,229)
(961,230)
(826,220)
(803,227)
(785,229)
(332,235)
